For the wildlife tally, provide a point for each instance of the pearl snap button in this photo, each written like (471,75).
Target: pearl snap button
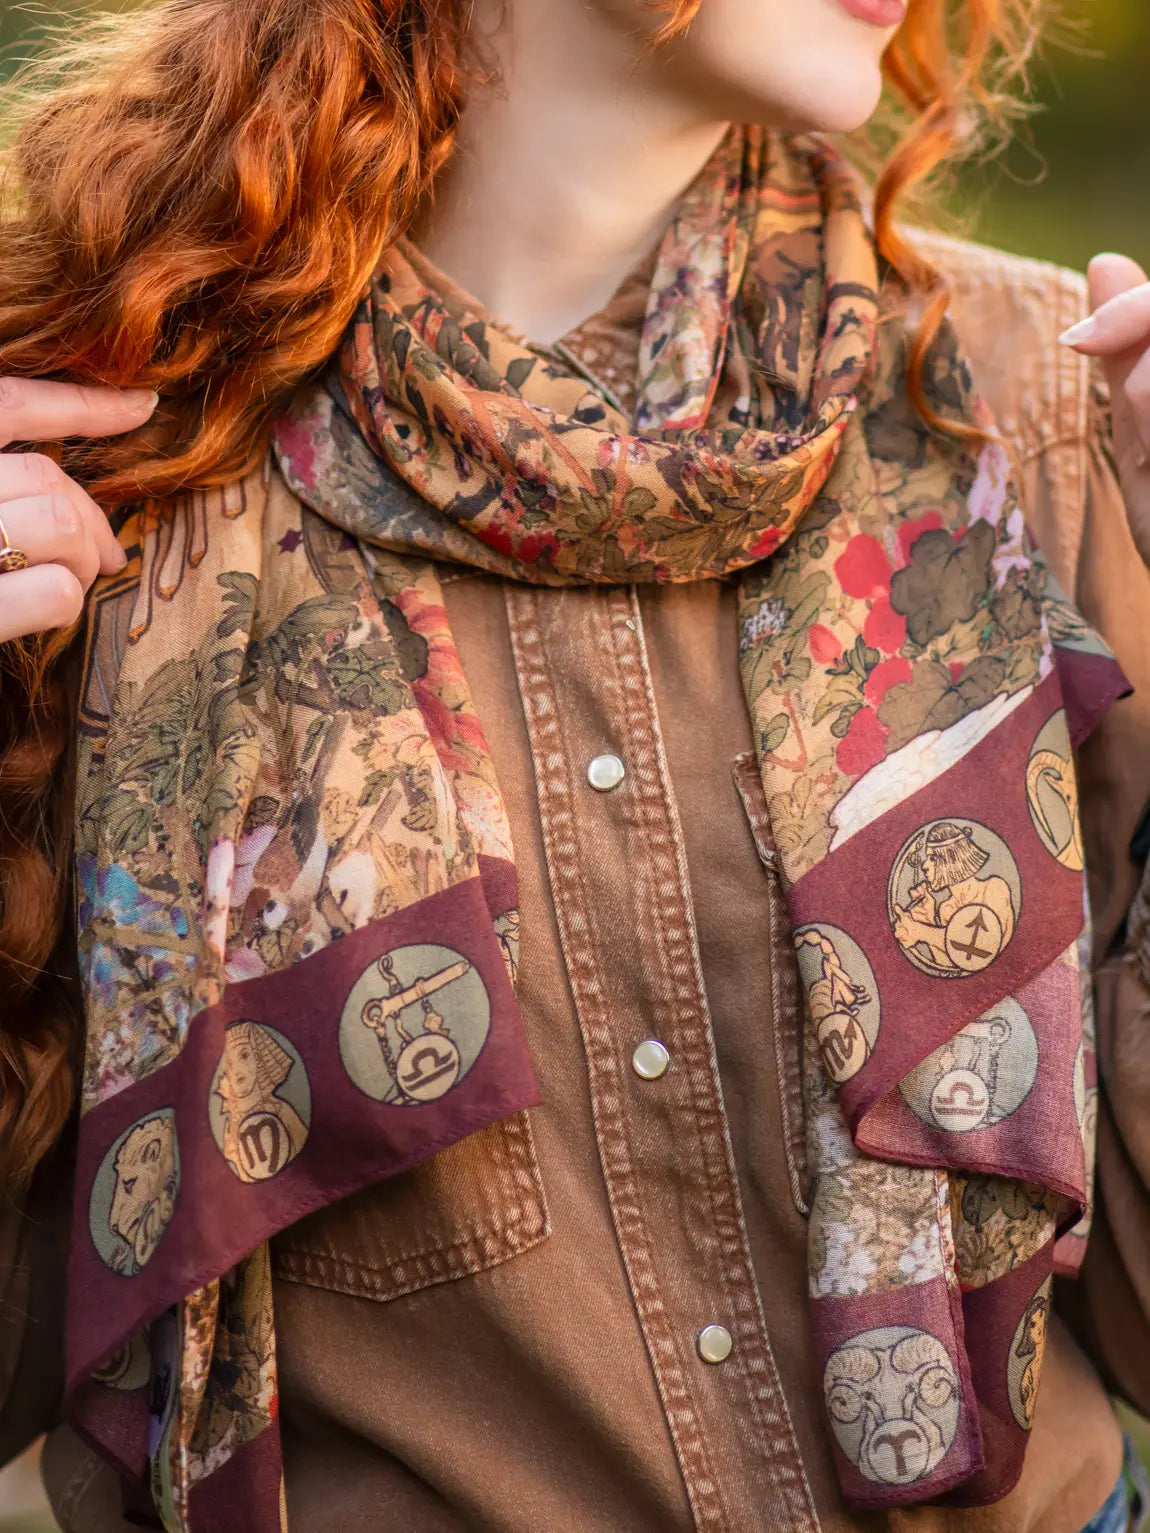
(605,773)
(715,1344)
(650,1059)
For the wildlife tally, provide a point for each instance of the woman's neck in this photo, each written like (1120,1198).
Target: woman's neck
(566,169)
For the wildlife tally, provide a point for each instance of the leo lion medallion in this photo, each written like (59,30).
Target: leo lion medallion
(134,1193)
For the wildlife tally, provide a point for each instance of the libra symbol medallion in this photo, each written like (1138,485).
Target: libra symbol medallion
(414,1024)
(980,1076)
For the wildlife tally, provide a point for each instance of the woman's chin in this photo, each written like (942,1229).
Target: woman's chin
(823,105)
(846,114)
(778,63)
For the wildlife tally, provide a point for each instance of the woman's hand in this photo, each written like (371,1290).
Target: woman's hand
(1118,332)
(61,529)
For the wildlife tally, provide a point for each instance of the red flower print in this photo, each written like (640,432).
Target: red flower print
(296,443)
(767,544)
(863,568)
(825,648)
(884,676)
(497,535)
(863,745)
(910,531)
(884,628)
(533,544)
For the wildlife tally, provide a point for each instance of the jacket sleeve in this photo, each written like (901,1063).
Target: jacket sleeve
(1111,585)
(1110,1305)
(1050,406)
(33,1262)
(34,1232)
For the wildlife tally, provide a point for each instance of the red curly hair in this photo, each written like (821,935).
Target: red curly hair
(195,203)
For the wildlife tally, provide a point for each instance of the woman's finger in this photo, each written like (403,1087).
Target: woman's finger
(39,410)
(50,530)
(31,475)
(1111,274)
(39,598)
(1111,279)
(1121,319)
(1131,394)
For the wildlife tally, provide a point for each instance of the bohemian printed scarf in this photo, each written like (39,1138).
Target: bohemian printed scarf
(296,884)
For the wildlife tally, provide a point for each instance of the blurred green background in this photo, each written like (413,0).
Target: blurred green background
(1077,178)
(1075,181)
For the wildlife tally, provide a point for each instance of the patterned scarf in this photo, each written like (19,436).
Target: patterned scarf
(296,883)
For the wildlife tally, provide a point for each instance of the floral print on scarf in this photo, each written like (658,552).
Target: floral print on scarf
(296,878)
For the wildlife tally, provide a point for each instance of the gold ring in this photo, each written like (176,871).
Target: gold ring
(10,558)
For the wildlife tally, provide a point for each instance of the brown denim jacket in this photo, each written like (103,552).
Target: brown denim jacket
(507,1337)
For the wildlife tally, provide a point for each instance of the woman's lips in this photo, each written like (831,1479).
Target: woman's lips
(880,13)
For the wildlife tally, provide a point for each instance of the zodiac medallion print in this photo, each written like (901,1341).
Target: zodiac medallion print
(893,1398)
(129,1367)
(954,898)
(414,1024)
(981,1076)
(259,1105)
(134,1193)
(1024,1364)
(1052,792)
(842,998)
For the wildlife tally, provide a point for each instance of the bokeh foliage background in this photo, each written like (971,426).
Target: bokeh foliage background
(1075,181)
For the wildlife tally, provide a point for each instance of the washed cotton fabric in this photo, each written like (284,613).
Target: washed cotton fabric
(298,923)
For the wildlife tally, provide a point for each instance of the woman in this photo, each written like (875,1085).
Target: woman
(750,520)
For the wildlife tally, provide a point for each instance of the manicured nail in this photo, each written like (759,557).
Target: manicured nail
(1080,332)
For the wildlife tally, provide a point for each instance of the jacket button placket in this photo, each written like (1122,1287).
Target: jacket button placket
(622,899)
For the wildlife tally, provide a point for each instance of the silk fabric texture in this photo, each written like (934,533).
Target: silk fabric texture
(296,881)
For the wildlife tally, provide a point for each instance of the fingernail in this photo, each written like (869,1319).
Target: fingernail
(119,559)
(1080,332)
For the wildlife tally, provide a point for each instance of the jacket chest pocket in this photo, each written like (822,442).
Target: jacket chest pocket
(786,988)
(472,1206)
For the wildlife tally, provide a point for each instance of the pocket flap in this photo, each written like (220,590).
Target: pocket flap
(474,1205)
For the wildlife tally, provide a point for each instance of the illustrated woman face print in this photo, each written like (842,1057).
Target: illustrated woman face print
(260,1102)
(243,1069)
